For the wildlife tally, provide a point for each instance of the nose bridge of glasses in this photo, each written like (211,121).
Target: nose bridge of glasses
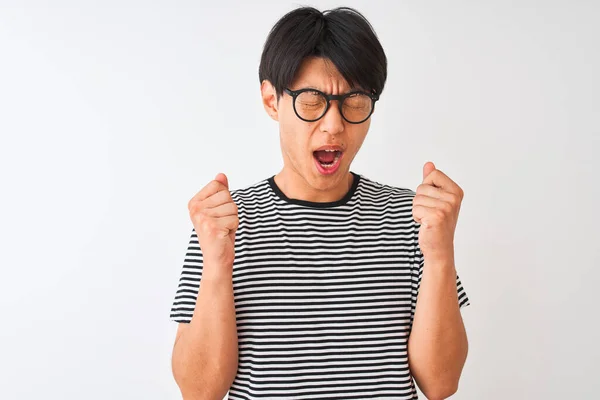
(331,97)
(340,99)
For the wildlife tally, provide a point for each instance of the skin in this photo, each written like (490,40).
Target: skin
(299,177)
(437,345)
(205,353)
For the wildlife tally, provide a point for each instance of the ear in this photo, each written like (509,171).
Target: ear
(269,99)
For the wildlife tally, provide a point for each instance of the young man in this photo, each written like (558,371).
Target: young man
(318,282)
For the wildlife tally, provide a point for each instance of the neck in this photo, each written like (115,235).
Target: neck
(294,186)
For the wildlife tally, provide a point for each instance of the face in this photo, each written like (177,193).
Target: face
(300,139)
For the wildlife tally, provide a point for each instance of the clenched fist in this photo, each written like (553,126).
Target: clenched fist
(215,218)
(436,207)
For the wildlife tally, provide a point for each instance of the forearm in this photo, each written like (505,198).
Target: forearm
(437,345)
(205,356)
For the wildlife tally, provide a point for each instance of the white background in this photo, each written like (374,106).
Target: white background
(114,114)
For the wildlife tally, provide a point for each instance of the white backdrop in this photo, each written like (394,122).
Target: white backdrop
(114,114)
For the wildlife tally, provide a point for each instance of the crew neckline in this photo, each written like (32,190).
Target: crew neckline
(316,204)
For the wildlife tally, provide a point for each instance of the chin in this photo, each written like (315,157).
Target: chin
(325,182)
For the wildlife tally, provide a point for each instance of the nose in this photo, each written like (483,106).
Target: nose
(332,122)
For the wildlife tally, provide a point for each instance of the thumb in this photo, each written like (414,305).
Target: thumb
(428,168)
(221,177)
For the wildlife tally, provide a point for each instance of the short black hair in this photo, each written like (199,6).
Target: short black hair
(342,35)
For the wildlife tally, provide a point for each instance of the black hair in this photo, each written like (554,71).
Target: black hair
(342,35)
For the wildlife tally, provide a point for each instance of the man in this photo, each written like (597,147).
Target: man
(318,282)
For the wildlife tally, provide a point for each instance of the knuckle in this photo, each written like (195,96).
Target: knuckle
(209,226)
(197,215)
(447,207)
(455,198)
(194,209)
(440,215)
(204,216)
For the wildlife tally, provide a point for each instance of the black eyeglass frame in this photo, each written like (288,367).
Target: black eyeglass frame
(339,97)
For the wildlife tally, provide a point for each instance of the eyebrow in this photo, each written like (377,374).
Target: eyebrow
(356,89)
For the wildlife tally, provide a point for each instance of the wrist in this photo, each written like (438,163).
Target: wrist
(441,263)
(217,272)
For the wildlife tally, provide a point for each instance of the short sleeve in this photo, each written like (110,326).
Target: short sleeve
(417,273)
(189,283)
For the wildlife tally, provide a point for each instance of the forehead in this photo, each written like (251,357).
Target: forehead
(322,74)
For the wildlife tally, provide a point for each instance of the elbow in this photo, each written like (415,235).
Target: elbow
(209,383)
(187,395)
(201,395)
(441,392)
(192,389)
(203,391)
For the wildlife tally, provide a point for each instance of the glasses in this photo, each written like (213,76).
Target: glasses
(311,104)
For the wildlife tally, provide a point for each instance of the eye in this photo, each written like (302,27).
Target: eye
(358,100)
(311,99)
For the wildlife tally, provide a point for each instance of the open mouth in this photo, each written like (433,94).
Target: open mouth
(327,160)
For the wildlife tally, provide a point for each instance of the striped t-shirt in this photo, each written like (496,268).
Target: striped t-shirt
(325,293)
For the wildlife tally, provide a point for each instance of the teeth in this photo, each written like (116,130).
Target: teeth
(333,163)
